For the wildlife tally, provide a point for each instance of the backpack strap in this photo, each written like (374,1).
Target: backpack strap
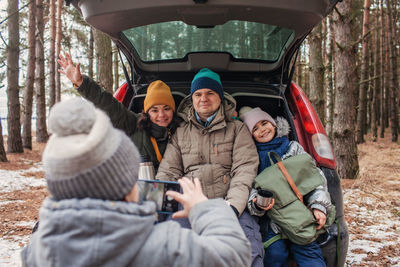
(290,181)
(272,240)
(285,173)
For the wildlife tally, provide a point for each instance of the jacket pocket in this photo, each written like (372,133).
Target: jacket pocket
(221,153)
(222,184)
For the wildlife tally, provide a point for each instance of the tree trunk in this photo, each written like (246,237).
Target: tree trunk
(14,140)
(116,68)
(3,156)
(91,53)
(242,36)
(104,60)
(329,80)
(299,69)
(346,83)
(158,44)
(52,66)
(383,82)
(316,94)
(362,97)
(58,48)
(393,81)
(28,92)
(387,72)
(371,68)
(41,128)
(304,73)
(376,84)
(143,41)
(189,43)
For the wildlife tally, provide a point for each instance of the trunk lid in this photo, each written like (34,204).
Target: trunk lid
(171,40)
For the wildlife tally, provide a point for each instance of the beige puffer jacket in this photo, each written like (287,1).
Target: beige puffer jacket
(223,155)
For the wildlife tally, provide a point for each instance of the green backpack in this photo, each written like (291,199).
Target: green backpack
(289,180)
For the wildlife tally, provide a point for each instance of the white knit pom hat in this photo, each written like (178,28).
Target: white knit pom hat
(86,156)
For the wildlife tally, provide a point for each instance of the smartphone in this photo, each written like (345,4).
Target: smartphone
(154,190)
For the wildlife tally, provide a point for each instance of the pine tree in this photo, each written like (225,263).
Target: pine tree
(362,98)
(103,60)
(28,90)
(41,127)
(316,94)
(346,83)
(14,140)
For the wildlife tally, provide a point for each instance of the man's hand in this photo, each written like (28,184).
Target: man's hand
(73,73)
(320,217)
(192,195)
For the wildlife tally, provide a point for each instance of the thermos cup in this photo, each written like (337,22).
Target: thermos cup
(146,169)
(264,198)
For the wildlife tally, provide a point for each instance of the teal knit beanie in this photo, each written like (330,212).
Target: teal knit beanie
(206,78)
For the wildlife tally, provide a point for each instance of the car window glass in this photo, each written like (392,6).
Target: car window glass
(242,39)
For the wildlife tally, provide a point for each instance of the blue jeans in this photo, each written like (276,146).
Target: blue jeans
(251,229)
(277,254)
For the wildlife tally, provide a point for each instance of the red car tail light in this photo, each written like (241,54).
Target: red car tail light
(120,93)
(315,135)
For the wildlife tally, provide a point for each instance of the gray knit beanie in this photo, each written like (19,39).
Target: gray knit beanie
(85,156)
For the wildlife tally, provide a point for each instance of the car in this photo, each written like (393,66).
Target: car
(251,44)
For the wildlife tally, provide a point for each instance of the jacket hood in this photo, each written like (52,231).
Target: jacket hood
(282,127)
(185,109)
(89,232)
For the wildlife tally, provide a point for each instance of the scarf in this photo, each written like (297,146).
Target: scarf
(161,135)
(278,145)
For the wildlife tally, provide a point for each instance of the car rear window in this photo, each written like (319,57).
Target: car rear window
(242,39)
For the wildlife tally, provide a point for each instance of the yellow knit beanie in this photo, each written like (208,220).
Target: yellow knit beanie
(158,93)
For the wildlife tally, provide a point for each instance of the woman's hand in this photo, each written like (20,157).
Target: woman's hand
(73,73)
(192,195)
(320,217)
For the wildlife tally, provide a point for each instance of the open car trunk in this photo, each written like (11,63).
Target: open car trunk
(250,38)
(251,44)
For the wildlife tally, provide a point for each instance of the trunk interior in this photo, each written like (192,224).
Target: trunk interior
(268,98)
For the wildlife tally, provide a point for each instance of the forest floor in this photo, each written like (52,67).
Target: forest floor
(372,204)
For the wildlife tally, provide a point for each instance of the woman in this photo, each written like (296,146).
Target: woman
(150,130)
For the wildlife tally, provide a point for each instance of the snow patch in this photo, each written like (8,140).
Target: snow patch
(15,180)
(378,228)
(10,251)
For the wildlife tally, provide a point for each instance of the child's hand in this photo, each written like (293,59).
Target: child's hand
(320,217)
(192,195)
(267,208)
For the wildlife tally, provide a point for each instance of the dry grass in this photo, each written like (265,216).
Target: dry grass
(372,204)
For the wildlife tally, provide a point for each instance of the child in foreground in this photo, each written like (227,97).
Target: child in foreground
(272,136)
(94,217)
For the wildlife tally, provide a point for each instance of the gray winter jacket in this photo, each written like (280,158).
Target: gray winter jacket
(91,232)
(319,198)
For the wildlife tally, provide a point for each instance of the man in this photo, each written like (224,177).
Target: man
(93,217)
(210,145)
